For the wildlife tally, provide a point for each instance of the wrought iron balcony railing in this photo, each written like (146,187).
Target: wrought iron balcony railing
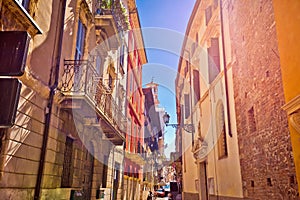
(80,79)
(116,9)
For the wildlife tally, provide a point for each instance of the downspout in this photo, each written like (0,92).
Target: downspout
(54,74)
(123,165)
(225,71)
(214,149)
(112,173)
(191,99)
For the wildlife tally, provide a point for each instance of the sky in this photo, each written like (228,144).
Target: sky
(163,25)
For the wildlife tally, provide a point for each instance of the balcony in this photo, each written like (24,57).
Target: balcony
(110,21)
(84,93)
(138,155)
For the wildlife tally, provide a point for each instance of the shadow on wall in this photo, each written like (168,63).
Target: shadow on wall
(43,57)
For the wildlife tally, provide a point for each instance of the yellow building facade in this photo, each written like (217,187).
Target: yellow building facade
(287,19)
(204,91)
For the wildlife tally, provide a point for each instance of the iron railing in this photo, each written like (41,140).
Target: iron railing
(117,10)
(80,78)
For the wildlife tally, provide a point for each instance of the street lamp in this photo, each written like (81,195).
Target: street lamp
(187,127)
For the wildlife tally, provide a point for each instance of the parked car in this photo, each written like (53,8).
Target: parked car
(160,193)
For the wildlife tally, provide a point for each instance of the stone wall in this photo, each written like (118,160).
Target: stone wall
(265,150)
(213,197)
(20,154)
(190,196)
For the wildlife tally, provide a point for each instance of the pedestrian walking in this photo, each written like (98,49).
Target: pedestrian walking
(150,196)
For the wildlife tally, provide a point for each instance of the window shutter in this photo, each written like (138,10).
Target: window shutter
(196,83)
(10,93)
(186,105)
(213,59)
(208,14)
(13,52)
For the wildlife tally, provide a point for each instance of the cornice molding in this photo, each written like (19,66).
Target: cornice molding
(292,106)
(293,110)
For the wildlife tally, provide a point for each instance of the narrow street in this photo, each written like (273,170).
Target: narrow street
(124,99)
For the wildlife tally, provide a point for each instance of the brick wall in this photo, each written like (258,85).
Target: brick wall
(265,151)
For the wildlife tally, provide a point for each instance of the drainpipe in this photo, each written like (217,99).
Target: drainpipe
(112,173)
(53,82)
(214,149)
(191,99)
(123,164)
(225,71)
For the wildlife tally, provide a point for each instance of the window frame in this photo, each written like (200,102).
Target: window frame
(80,40)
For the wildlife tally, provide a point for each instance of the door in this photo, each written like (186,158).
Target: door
(116,180)
(88,176)
(203,181)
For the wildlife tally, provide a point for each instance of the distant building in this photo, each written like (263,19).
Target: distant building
(135,148)
(202,100)
(151,139)
(160,111)
(154,115)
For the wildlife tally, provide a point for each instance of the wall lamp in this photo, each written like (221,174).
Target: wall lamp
(187,127)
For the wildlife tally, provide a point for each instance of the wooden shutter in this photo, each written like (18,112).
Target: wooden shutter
(186,105)
(196,84)
(208,14)
(213,59)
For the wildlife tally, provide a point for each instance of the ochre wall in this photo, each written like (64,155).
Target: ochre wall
(287,19)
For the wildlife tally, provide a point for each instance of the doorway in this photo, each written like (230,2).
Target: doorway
(203,181)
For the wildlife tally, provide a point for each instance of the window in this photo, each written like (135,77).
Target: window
(24,3)
(66,180)
(221,131)
(208,14)
(196,84)
(80,41)
(98,65)
(182,114)
(215,4)
(104,172)
(186,69)
(213,59)
(128,138)
(251,120)
(222,144)
(122,55)
(110,81)
(269,182)
(187,105)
